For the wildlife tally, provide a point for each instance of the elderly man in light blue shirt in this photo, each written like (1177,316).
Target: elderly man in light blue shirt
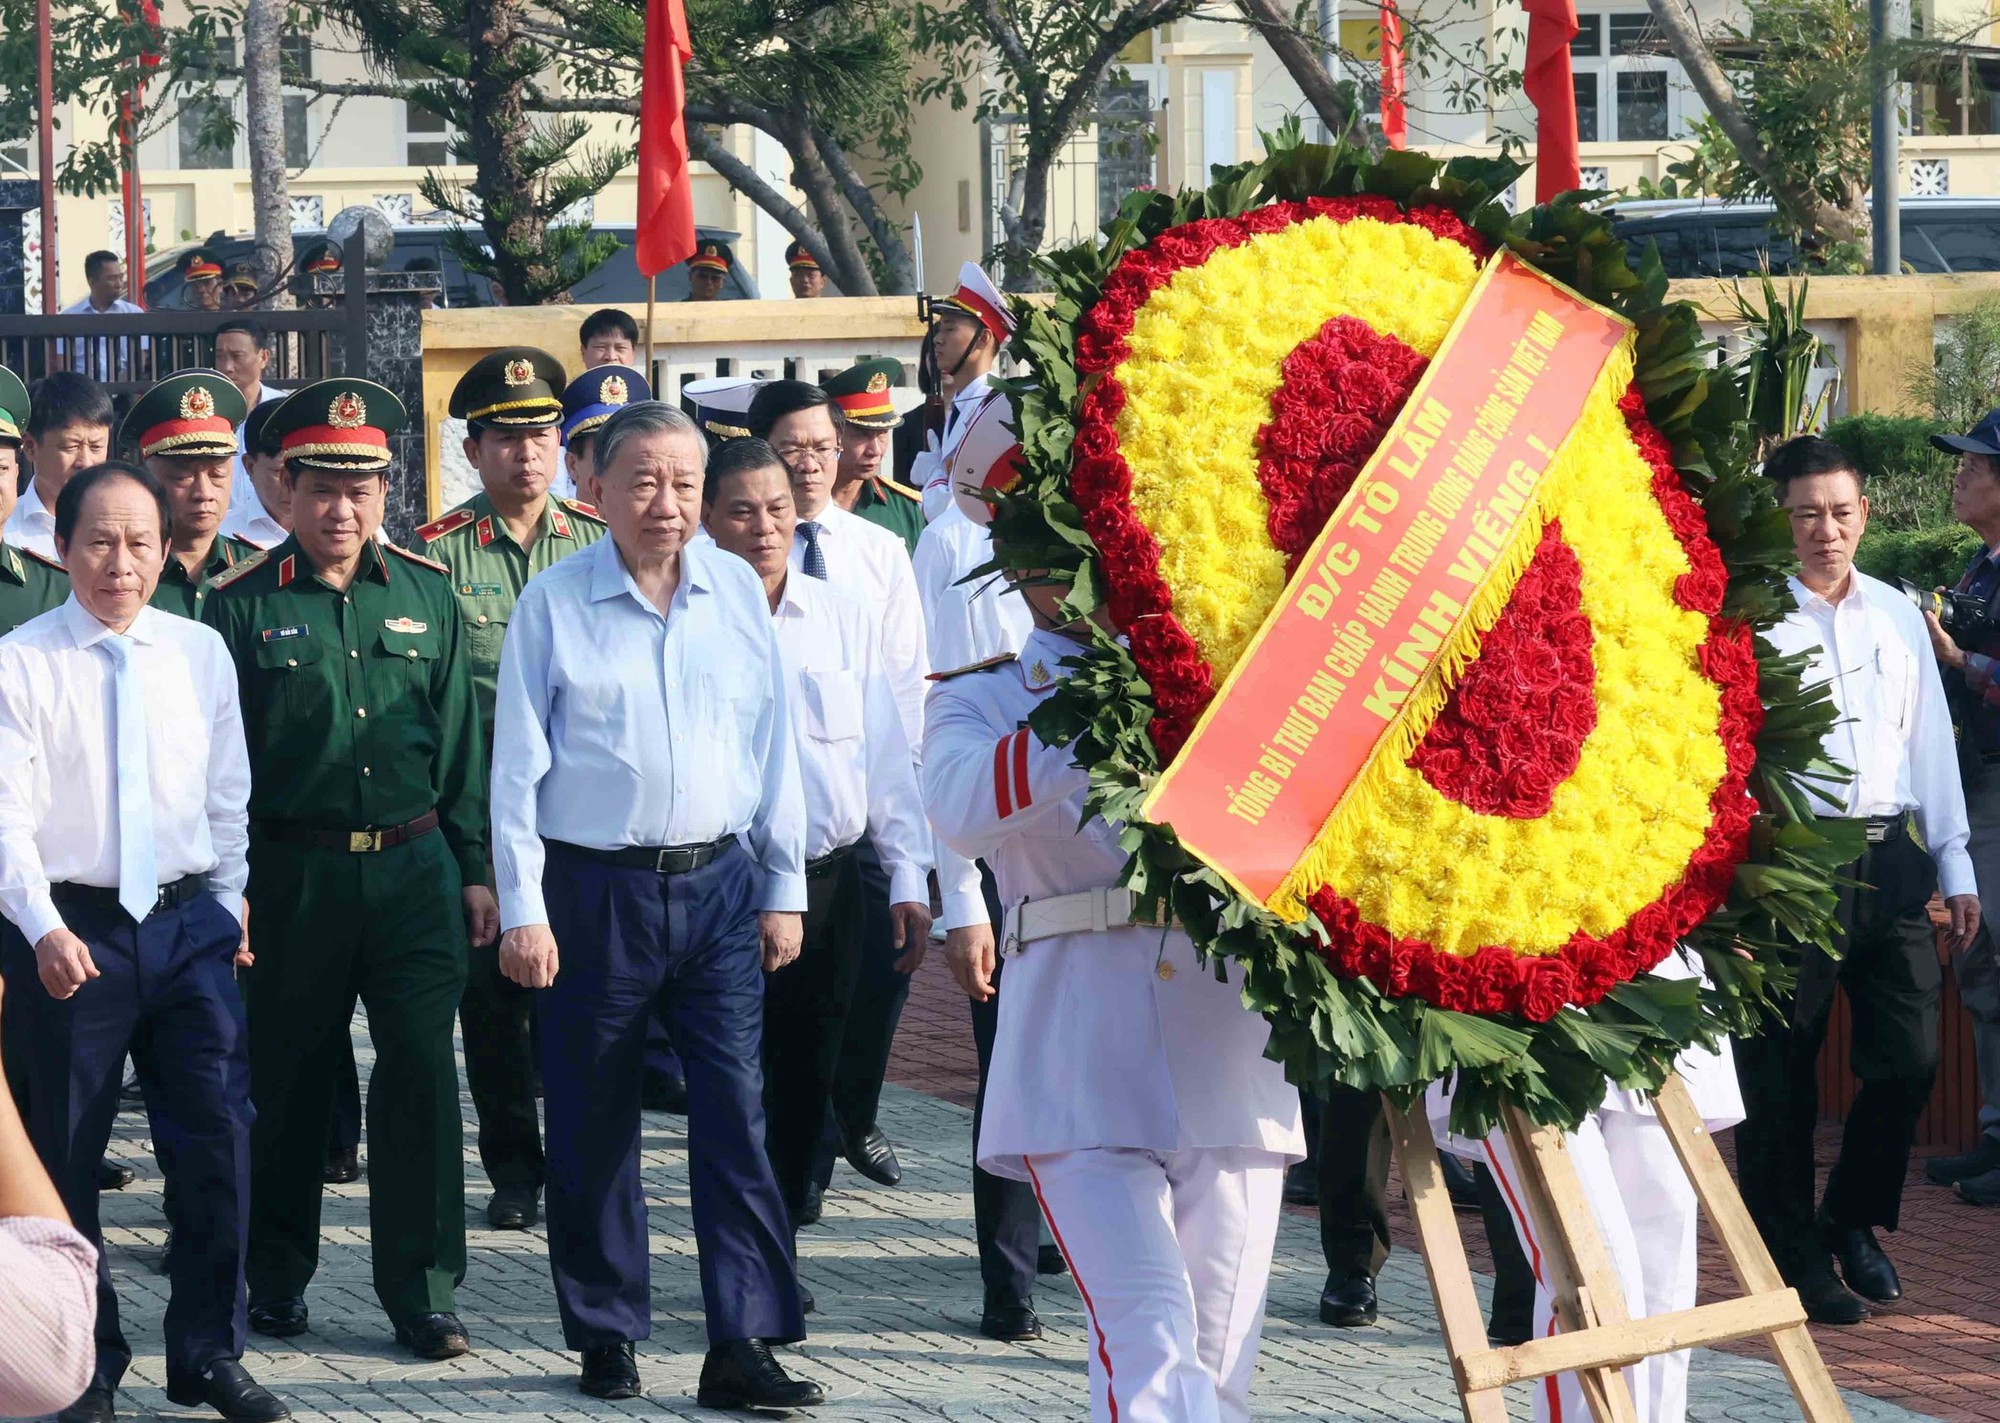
(649,831)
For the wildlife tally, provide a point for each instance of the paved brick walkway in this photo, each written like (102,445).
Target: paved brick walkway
(898,1288)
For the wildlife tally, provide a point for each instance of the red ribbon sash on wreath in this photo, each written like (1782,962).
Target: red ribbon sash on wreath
(1359,637)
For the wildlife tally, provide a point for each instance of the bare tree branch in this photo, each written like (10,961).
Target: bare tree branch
(1302,63)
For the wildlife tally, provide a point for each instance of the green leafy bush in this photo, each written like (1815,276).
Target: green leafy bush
(1909,482)
(1929,558)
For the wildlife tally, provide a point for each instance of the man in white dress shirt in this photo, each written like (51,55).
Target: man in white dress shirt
(1129,1085)
(867,563)
(1869,645)
(124,787)
(243,353)
(860,779)
(649,837)
(266,519)
(69,428)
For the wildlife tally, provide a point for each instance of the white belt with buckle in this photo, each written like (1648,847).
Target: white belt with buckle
(1090,911)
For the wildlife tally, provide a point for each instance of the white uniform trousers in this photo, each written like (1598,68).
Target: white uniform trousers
(1645,1209)
(1171,1252)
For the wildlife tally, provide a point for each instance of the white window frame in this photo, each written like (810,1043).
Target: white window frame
(1606,66)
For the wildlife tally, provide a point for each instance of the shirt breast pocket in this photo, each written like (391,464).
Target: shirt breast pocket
(727,702)
(295,691)
(406,661)
(485,625)
(1897,686)
(832,705)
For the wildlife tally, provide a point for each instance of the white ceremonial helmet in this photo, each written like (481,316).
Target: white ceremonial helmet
(987,456)
(721,402)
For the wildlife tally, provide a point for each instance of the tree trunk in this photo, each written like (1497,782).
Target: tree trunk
(1301,59)
(896,261)
(270,187)
(810,176)
(1024,217)
(496,129)
(1677,24)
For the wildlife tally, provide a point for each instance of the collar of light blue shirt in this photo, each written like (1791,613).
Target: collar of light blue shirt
(610,577)
(85,628)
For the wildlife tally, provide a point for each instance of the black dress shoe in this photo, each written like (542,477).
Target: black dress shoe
(807,1304)
(513,1208)
(226,1386)
(1049,1260)
(742,1374)
(1458,1182)
(1863,1266)
(660,1093)
(343,1166)
(1009,1321)
(609,1371)
(279,1318)
(1950,1170)
(434,1336)
(1825,1299)
(813,1206)
(1981,1190)
(94,1407)
(1302,1183)
(114,1175)
(871,1155)
(1347,1302)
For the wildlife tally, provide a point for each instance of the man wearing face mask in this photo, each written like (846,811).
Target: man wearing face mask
(493,544)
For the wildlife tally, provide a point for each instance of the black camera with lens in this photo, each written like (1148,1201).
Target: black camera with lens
(1969,620)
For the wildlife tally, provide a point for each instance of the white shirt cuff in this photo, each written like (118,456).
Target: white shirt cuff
(521,907)
(784,894)
(963,909)
(909,884)
(38,919)
(1955,877)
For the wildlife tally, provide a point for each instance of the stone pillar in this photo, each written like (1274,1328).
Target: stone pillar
(18,197)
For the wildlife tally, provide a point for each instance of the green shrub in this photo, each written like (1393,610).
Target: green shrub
(1909,482)
(1929,558)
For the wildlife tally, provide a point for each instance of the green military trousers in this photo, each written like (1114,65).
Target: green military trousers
(328,927)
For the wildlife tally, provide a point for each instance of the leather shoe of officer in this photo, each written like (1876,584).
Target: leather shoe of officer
(1049,1260)
(343,1166)
(434,1336)
(279,1318)
(812,1208)
(1009,1321)
(94,1407)
(114,1175)
(513,1208)
(610,1371)
(871,1155)
(662,1093)
(1950,1170)
(1863,1266)
(226,1386)
(1347,1302)
(1981,1190)
(1826,1300)
(743,1374)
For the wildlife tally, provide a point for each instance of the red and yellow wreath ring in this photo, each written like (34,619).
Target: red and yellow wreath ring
(1580,801)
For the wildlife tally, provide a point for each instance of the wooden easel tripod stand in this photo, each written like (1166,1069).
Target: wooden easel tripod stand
(1598,1337)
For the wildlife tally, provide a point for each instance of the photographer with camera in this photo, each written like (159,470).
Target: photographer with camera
(1966,635)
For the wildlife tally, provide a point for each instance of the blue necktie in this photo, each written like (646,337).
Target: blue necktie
(138,878)
(815,560)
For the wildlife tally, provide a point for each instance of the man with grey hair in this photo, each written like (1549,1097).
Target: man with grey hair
(649,842)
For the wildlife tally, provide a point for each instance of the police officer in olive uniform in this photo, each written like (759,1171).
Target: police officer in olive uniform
(368,853)
(29,584)
(492,544)
(872,404)
(184,429)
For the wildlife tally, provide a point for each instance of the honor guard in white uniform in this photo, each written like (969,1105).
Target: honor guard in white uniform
(969,329)
(1129,1085)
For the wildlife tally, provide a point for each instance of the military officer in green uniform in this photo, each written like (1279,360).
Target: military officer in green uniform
(184,429)
(493,544)
(872,406)
(29,584)
(368,852)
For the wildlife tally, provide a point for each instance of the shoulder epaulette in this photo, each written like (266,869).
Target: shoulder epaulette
(230,575)
(1000,661)
(589,511)
(40,558)
(438,528)
(429,563)
(915,496)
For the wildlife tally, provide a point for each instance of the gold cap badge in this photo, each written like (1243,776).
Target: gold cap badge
(518,372)
(877,383)
(348,412)
(613,391)
(197,403)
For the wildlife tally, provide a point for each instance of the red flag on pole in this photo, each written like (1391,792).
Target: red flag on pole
(1395,122)
(1547,82)
(666,204)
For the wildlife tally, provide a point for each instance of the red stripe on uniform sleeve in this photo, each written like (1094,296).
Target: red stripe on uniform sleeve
(1021,791)
(1001,798)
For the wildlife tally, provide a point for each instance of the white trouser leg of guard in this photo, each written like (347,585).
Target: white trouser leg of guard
(1660,1203)
(1171,1253)
(1558,1398)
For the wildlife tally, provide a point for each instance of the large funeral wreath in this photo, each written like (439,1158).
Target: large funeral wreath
(1615,772)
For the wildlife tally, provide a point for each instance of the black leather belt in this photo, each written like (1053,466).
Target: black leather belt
(1884,828)
(356,842)
(831,860)
(171,896)
(660,859)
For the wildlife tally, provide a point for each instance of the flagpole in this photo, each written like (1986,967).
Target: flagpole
(650,283)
